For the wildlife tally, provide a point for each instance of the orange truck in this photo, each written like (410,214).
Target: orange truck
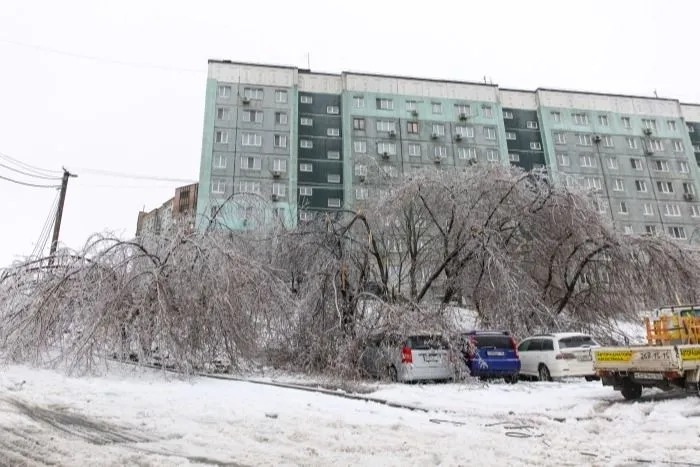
(669,360)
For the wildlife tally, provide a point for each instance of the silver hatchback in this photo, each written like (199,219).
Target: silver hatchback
(417,357)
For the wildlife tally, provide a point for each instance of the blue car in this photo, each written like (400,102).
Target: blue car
(491,355)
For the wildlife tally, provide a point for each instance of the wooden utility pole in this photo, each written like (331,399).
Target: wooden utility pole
(59,214)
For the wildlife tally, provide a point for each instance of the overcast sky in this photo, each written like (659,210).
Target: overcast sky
(57,109)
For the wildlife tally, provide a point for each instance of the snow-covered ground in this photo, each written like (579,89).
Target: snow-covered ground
(141,417)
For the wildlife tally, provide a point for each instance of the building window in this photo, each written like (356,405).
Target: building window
(306,143)
(677,146)
(696,147)
(305,191)
(361,193)
(629,230)
(507,115)
(641,186)
(305,216)
(655,145)
(390,171)
(221,137)
(623,208)
(661,166)
(491,155)
(636,164)
(218,187)
(677,232)
(563,159)
(254,94)
(671,124)
(333,109)
(306,121)
(464,131)
(463,110)
(306,167)
(361,170)
(252,116)
(281,118)
(335,155)
(695,210)
(688,188)
(333,131)
(306,99)
(280,141)
(358,124)
(249,187)
(608,141)
(648,209)
(580,119)
(279,189)
(586,161)
(532,125)
(250,163)
(466,153)
(535,146)
(488,112)
(556,117)
(279,165)
(585,140)
(560,138)
(438,129)
(672,210)
(603,120)
(223,113)
(513,157)
(490,132)
(358,102)
(412,127)
(619,185)
(281,97)
(510,135)
(650,229)
(219,161)
(683,167)
(224,91)
(649,124)
(440,152)
(626,122)
(386,148)
(437,107)
(385,104)
(414,149)
(333,178)
(411,106)
(613,163)
(386,125)
(593,183)
(691,128)
(333,202)
(359,147)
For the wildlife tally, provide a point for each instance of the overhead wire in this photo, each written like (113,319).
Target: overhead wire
(40,245)
(33,185)
(29,167)
(28,174)
(108,173)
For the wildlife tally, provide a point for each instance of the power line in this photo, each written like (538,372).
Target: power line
(29,167)
(28,184)
(40,245)
(29,174)
(99,59)
(109,173)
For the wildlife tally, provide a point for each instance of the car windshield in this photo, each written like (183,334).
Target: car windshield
(496,341)
(576,341)
(426,342)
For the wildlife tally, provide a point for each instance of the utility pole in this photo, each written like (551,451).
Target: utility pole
(59,214)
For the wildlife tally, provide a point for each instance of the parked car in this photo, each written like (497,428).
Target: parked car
(558,355)
(418,357)
(491,354)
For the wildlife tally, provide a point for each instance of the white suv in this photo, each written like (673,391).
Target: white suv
(549,356)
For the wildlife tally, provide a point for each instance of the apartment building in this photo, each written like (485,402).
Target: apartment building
(178,212)
(288,143)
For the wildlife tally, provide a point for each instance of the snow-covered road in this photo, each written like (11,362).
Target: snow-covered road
(140,417)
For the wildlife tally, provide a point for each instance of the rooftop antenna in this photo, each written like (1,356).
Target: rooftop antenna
(308,61)
(655,94)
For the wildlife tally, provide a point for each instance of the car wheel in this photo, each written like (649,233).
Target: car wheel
(511,379)
(543,373)
(393,374)
(631,391)
(590,378)
(483,378)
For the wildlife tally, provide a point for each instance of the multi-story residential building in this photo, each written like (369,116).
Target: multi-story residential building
(288,142)
(179,212)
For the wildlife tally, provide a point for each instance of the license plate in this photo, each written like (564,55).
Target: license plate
(431,358)
(654,376)
(655,355)
(584,358)
(491,353)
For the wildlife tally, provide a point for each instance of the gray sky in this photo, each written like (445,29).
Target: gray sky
(58,109)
